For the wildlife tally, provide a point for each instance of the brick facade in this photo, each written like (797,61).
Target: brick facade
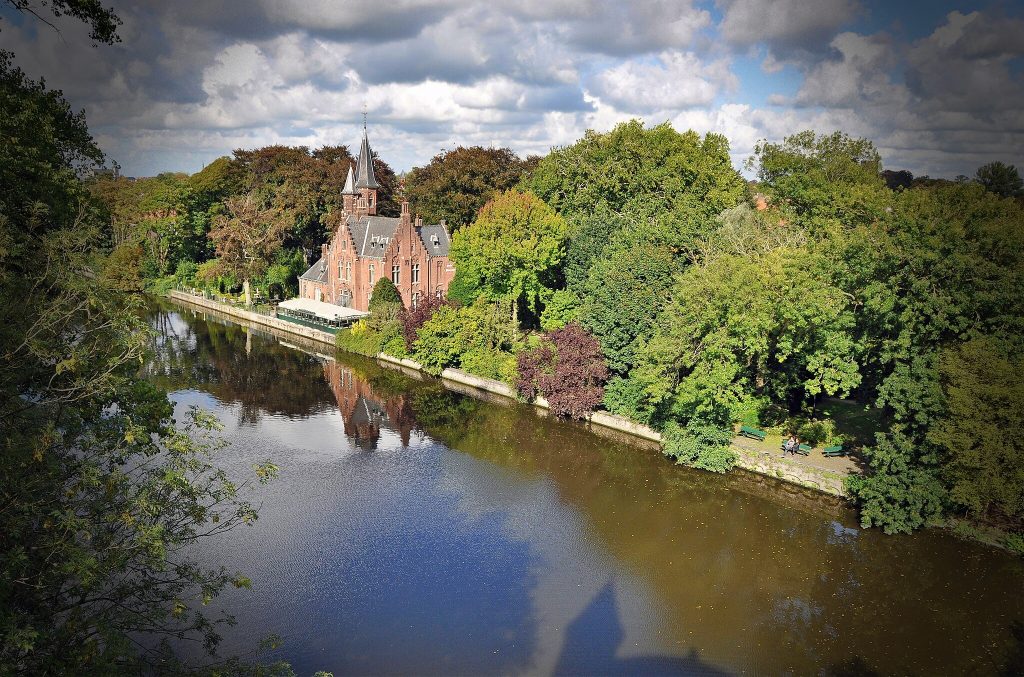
(365,247)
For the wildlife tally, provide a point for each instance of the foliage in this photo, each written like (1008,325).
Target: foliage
(102,22)
(903,493)
(822,181)
(455,184)
(414,318)
(1002,179)
(624,292)
(513,249)
(562,308)
(384,293)
(463,290)
(121,269)
(567,368)
(699,445)
(103,495)
(247,236)
(656,172)
(981,436)
(479,338)
(590,233)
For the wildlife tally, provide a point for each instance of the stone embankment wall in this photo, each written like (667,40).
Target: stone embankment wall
(762,462)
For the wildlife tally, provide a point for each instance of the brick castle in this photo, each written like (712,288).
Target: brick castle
(366,247)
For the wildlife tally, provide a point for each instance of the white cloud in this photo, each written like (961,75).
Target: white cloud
(675,80)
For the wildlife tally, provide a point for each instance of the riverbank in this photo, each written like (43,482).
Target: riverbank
(794,471)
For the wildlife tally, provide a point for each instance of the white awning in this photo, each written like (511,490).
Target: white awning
(328,311)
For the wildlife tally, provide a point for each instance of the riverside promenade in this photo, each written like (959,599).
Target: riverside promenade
(824,475)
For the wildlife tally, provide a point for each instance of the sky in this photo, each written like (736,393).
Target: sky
(937,86)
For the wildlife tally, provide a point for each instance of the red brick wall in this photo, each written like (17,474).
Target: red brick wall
(405,250)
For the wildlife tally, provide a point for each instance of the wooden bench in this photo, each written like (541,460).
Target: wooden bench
(747,431)
(834,451)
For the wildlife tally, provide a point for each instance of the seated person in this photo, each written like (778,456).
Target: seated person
(790,445)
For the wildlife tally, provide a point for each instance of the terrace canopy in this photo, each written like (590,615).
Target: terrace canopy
(324,311)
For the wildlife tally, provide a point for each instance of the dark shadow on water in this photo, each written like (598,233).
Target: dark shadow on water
(593,638)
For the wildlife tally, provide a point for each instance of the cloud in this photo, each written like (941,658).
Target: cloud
(786,26)
(194,79)
(674,80)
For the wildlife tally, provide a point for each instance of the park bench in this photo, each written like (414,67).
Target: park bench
(834,451)
(747,431)
(803,449)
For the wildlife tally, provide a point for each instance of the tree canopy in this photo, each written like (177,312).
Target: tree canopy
(455,184)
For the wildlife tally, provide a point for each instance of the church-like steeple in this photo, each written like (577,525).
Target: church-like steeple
(350,185)
(364,166)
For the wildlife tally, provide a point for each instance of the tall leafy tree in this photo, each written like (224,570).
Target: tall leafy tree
(102,494)
(455,184)
(247,236)
(1002,179)
(513,249)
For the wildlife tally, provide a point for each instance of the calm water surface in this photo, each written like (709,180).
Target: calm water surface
(417,530)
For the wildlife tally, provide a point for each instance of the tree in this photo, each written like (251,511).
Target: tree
(455,184)
(247,237)
(103,496)
(512,251)
(982,433)
(567,368)
(822,181)
(384,293)
(647,173)
(1001,179)
(480,338)
(102,22)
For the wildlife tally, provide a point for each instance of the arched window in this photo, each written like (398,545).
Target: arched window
(348,271)
(372,271)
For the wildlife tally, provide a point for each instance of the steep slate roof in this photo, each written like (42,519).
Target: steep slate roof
(364,166)
(427,234)
(317,272)
(372,234)
(350,188)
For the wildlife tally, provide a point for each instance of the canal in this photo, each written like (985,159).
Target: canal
(417,530)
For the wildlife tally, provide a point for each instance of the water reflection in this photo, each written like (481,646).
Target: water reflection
(483,538)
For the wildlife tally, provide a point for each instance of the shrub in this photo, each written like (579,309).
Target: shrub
(816,433)
(562,308)
(567,368)
(384,294)
(495,364)
(441,340)
(414,318)
(627,396)
(1014,543)
(699,445)
(395,347)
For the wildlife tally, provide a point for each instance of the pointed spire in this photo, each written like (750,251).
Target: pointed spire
(350,184)
(364,166)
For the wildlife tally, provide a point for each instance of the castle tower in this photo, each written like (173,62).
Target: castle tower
(349,193)
(366,182)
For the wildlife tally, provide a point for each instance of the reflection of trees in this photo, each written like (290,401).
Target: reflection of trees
(213,356)
(742,572)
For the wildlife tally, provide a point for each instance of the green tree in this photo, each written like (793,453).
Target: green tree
(102,495)
(657,172)
(981,435)
(247,237)
(512,251)
(455,184)
(1002,179)
(822,181)
(384,293)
